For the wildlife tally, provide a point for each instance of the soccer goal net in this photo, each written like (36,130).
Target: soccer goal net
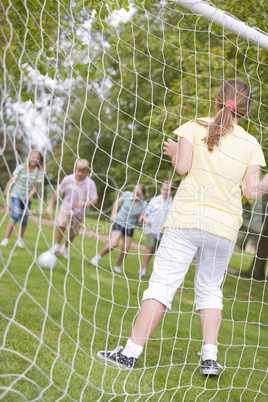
(108,82)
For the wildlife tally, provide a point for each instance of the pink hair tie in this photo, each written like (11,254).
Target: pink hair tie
(230,104)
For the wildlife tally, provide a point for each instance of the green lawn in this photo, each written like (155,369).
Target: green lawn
(53,324)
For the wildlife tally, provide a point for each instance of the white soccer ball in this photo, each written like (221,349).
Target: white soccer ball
(47,260)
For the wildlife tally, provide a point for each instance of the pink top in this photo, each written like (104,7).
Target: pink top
(77,191)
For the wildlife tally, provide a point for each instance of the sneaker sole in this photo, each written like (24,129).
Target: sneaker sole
(94,264)
(209,371)
(100,356)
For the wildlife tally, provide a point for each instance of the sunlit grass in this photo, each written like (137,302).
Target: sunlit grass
(53,323)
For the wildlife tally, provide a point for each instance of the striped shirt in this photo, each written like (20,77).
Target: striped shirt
(24,181)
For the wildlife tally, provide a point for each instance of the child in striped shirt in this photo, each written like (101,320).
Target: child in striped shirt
(23,184)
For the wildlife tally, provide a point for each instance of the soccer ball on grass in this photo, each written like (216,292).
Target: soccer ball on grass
(47,260)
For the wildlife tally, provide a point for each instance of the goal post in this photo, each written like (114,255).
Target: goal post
(226,21)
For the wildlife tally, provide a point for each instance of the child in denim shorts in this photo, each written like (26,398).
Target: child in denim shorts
(23,184)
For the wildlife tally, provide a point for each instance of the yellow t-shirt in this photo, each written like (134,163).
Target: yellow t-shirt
(209,196)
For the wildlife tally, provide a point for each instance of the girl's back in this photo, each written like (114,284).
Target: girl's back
(209,197)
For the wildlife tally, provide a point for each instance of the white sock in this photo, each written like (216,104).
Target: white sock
(132,349)
(209,352)
(57,247)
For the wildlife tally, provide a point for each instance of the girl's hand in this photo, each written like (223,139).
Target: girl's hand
(49,210)
(113,217)
(79,204)
(170,148)
(147,221)
(265,183)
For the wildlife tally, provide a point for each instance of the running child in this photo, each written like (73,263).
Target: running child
(23,185)
(156,213)
(132,211)
(79,192)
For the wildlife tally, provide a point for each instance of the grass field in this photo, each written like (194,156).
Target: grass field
(53,323)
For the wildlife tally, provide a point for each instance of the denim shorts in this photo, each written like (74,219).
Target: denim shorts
(124,231)
(19,210)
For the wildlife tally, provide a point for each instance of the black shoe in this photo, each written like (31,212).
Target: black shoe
(116,357)
(209,367)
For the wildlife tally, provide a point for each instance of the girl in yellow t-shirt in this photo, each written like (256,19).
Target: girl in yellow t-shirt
(218,159)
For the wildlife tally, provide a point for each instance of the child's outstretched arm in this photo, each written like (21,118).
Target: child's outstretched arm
(252,186)
(53,199)
(91,202)
(9,183)
(31,193)
(141,217)
(116,205)
(181,154)
(82,204)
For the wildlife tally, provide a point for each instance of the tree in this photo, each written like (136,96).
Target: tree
(11,153)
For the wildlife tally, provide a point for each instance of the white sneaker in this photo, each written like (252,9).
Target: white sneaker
(4,242)
(55,249)
(118,270)
(64,251)
(20,243)
(94,261)
(142,272)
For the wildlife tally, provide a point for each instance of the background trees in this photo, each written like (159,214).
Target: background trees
(113,91)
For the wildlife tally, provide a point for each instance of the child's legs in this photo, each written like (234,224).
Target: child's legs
(171,263)
(147,257)
(24,217)
(126,242)
(150,248)
(210,321)
(59,234)
(9,229)
(148,318)
(172,260)
(22,231)
(115,238)
(16,208)
(72,230)
(62,222)
(212,261)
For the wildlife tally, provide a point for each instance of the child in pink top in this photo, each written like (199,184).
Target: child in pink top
(79,192)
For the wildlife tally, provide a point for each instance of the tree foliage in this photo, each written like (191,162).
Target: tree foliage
(122,88)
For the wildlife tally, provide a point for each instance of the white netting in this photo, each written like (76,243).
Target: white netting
(111,87)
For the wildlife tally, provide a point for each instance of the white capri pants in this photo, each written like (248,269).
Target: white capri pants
(173,258)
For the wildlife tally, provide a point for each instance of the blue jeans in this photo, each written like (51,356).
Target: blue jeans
(20,210)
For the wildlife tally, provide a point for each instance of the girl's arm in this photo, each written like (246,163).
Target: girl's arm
(252,187)
(10,181)
(181,154)
(147,220)
(116,205)
(141,217)
(31,193)
(91,202)
(53,199)
(81,204)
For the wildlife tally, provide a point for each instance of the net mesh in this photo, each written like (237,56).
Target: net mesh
(111,86)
